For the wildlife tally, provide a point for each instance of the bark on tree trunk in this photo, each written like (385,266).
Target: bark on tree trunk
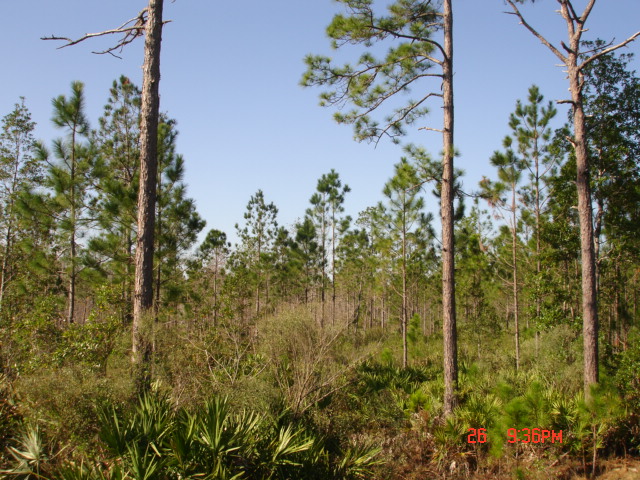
(589,301)
(448,283)
(143,289)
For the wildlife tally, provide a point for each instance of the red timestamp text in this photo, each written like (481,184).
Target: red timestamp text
(533,435)
(524,435)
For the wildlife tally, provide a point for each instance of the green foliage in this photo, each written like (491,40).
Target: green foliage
(36,335)
(177,220)
(92,342)
(407,31)
(9,415)
(29,458)
(158,441)
(628,366)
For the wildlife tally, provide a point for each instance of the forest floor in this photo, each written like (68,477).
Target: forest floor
(621,469)
(611,469)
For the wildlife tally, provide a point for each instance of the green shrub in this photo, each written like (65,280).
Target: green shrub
(159,441)
(627,377)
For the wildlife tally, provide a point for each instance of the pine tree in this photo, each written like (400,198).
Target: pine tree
(257,237)
(509,174)
(409,28)
(177,221)
(525,148)
(357,270)
(575,62)
(319,213)
(307,252)
(400,217)
(149,114)
(332,193)
(19,170)
(116,171)
(612,106)
(530,126)
(149,21)
(213,253)
(68,178)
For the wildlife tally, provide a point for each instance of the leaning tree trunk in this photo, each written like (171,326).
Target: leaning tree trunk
(446,209)
(143,293)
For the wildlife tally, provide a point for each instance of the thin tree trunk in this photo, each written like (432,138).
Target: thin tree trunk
(215,294)
(324,260)
(538,260)
(514,259)
(72,276)
(333,265)
(158,249)
(405,347)
(446,209)
(143,293)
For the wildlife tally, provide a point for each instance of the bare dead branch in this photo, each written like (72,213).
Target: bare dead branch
(573,14)
(130,30)
(587,11)
(549,45)
(608,50)
(571,23)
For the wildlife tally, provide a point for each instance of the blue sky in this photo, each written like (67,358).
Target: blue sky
(230,77)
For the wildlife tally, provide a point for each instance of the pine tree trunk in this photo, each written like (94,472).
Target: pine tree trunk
(324,272)
(143,290)
(215,294)
(538,259)
(72,276)
(446,209)
(405,349)
(589,300)
(158,247)
(514,259)
(333,266)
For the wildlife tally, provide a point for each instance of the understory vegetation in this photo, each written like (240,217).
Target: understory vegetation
(312,403)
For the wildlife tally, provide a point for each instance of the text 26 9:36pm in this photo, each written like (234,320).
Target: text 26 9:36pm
(528,435)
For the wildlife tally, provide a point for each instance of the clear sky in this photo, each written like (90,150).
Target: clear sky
(230,77)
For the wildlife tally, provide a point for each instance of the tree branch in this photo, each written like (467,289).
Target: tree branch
(587,11)
(131,29)
(608,50)
(551,47)
(432,129)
